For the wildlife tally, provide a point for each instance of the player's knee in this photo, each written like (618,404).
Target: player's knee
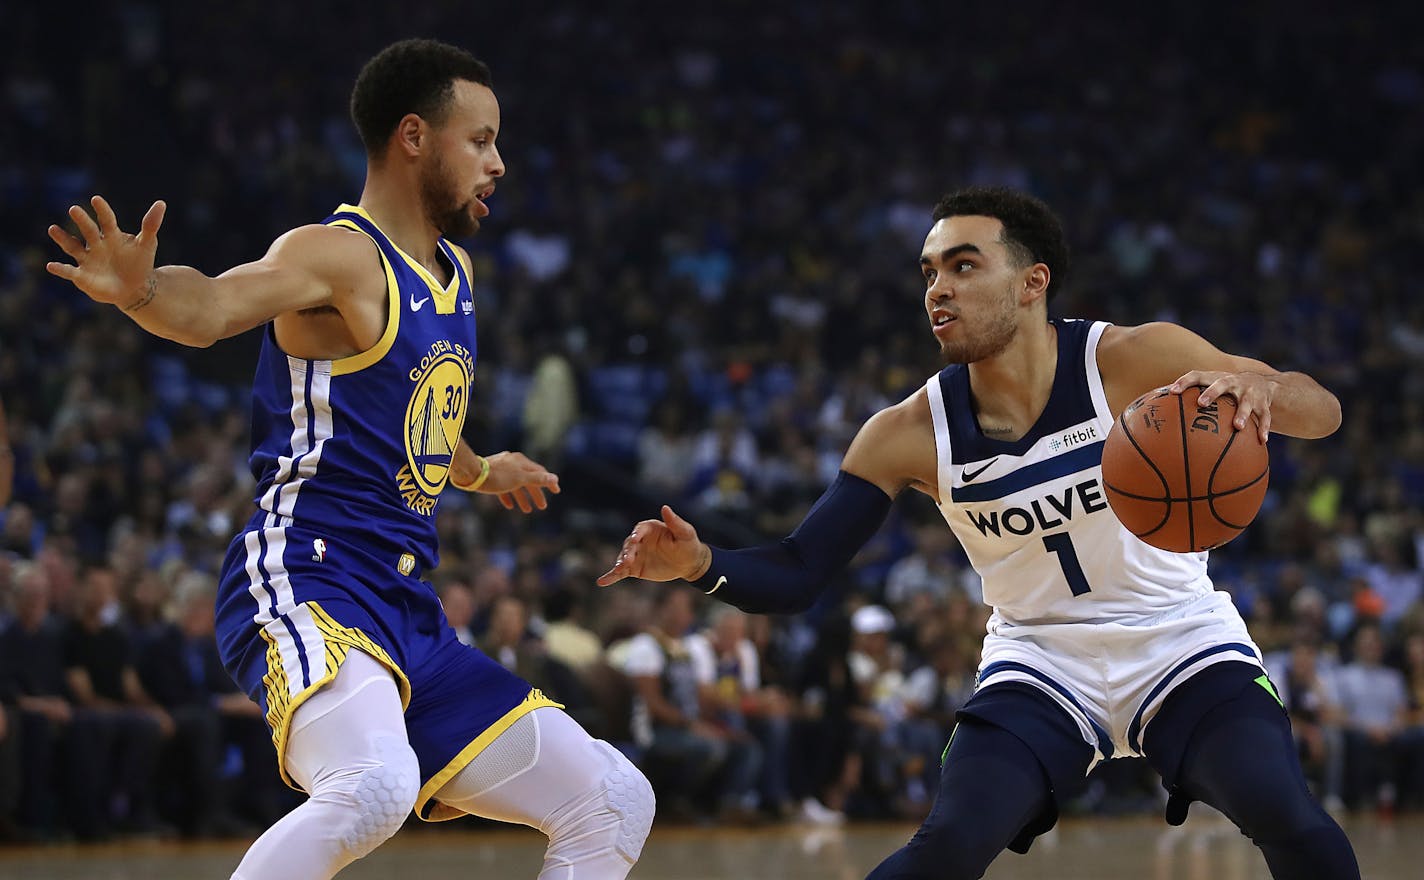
(616,814)
(945,851)
(375,796)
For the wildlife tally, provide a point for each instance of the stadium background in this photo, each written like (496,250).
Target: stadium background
(698,280)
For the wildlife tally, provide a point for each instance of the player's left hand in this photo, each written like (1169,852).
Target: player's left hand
(519,481)
(1253,393)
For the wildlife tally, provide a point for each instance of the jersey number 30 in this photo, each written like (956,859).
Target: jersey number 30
(1068,561)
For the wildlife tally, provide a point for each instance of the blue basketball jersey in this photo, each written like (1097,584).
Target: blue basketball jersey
(364,443)
(350,457)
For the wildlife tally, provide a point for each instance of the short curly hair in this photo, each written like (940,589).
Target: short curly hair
(412,76)
(1032,232)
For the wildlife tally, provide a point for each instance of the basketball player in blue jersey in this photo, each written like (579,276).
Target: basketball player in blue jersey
(361,392)
(1099,646)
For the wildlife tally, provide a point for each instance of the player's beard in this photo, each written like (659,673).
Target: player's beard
(990,340)
(453,217)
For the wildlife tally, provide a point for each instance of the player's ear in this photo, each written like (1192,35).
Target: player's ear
(1035,283)
(410,134)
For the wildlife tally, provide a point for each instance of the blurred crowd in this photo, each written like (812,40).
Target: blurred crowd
(698,280)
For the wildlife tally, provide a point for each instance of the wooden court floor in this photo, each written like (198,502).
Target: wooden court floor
(1206,848)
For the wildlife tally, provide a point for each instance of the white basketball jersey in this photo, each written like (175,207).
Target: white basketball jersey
(1031,513)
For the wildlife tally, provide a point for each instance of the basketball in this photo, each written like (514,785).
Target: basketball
(1179,476)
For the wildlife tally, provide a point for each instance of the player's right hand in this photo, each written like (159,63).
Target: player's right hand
(110,265)
(660,550)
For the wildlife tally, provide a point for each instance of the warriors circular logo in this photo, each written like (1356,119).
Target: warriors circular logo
(433,420)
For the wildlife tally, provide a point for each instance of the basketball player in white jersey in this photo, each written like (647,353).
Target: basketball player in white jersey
(323,615)
(1099,646)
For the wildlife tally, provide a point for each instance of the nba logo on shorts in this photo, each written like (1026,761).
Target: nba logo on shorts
(320,547)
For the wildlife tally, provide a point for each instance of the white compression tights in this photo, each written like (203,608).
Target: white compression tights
(546,772)
(348,749)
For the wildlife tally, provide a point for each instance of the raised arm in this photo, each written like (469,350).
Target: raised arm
(893,450)
(309,267)
(1134,360)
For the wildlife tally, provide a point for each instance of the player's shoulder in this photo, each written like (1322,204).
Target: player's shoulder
(1124,348)
(1117,337)
(910,414)
(343,257)
(322,244)
(895,448)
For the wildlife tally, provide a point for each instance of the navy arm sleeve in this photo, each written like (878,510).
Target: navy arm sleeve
(787,577)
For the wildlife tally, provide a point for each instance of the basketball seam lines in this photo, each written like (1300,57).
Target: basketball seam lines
(1187,469)
(1168,499)
(1166,489)
(1211,480)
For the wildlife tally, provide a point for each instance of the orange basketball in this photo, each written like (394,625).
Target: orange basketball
(1179,476)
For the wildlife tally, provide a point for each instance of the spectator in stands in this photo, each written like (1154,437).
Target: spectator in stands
(929,569)
(1374,707)
(565,637)
(931,695)
(665,450)
(1400,585)
(249,792)
(509,642)
(130,726)
(687,757)
(1306,684)
(728,674)
(179,670)
(832,709)
(1413,735)
(551,406)
(60,767)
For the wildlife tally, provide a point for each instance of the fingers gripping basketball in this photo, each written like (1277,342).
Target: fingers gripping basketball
(1179,476)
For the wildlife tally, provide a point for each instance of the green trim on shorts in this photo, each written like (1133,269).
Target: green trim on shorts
(945,754)
(1265,682)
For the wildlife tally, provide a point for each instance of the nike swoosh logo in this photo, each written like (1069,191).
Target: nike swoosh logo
(720,581)
(968,476)
(415,304)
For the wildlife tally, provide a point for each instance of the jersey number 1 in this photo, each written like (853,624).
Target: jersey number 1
(1068,561)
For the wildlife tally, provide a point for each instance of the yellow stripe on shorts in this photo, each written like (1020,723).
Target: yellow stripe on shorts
(337,642)
(535,699)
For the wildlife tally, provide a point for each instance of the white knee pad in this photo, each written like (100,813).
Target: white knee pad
(630,795)
(376,797)
(545,771)
(616,813)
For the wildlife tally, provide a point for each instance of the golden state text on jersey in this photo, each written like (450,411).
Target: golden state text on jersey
(433,419)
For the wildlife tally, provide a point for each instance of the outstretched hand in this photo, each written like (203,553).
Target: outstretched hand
(110,265)
(660,550)
(519,481)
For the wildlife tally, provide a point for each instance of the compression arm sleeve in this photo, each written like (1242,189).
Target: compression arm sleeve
(787,577)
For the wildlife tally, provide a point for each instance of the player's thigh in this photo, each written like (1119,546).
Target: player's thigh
(537,767)
(1223,738)
(1014,753)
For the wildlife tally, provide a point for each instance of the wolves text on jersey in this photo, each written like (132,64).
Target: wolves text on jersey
(1050,511)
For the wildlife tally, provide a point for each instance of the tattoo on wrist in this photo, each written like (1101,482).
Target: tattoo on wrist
(148,295)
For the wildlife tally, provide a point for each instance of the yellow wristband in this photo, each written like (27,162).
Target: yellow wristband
(479,481)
